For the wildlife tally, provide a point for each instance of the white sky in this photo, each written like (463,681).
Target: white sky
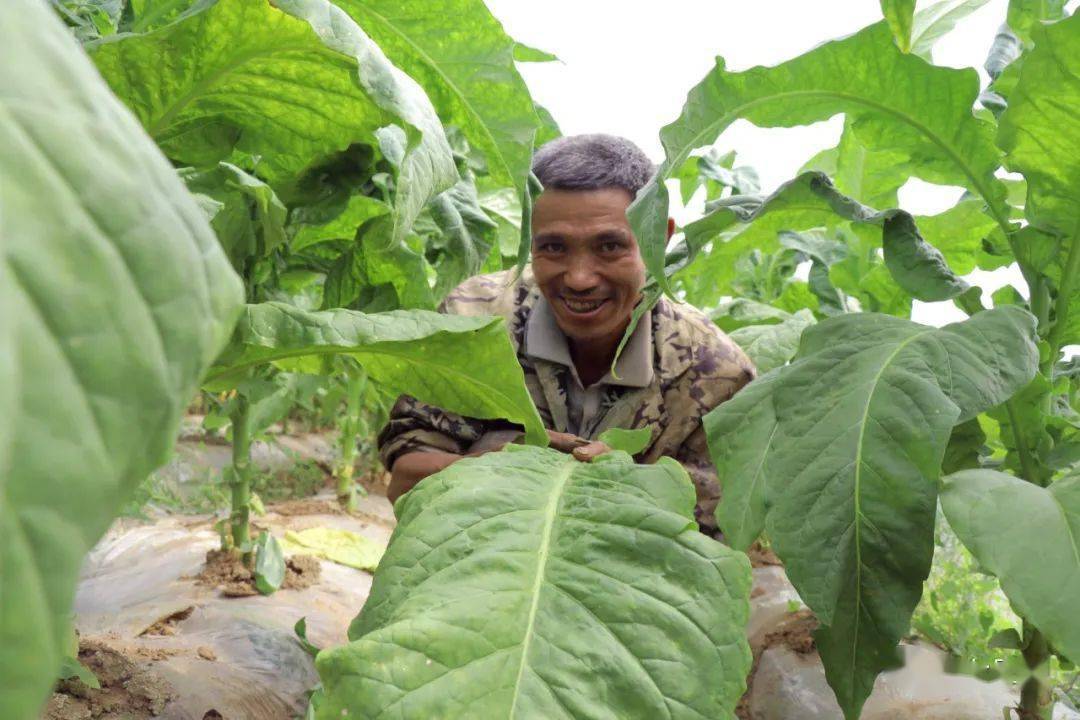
(626,69)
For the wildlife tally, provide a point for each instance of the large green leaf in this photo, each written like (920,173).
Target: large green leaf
(1006,522)
(288,83)
(116,296)
(1040,132)
(900,102)
(838,455)
(526,584)
(425,354)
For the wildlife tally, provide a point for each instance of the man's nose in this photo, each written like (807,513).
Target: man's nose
(581,276)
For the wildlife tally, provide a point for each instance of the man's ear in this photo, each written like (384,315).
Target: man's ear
(670,227)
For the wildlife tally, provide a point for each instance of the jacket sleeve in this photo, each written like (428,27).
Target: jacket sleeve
(418,427)
(693,455)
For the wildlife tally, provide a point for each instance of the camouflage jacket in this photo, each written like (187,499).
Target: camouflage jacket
(695,368)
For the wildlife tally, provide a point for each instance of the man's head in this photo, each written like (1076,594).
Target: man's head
(585,259)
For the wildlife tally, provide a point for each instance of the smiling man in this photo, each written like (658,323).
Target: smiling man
(566,315)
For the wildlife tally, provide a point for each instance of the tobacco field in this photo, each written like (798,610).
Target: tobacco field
(242,215)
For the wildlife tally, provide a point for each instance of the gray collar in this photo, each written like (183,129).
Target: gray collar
(545,341)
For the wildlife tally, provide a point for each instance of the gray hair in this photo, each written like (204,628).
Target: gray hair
(592,162)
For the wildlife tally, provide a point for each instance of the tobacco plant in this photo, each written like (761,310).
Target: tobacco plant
(313,134)
(837,456)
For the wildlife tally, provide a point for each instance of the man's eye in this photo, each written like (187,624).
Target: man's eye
(551,247)
(611,246)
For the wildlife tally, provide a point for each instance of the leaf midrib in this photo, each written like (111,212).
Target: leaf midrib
(544,551)
(858,481)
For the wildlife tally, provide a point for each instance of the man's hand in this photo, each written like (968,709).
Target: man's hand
(411,468)
(582,449)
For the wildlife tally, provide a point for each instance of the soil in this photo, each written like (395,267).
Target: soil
(795,633)
(309,506)
(167,625)
(225,570)
(761,556)
(128,691)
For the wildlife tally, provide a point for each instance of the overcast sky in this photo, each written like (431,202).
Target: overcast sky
(626,69)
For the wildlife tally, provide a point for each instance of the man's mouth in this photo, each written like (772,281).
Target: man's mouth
(583,307)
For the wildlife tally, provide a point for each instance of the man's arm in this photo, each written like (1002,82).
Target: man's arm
(410,469)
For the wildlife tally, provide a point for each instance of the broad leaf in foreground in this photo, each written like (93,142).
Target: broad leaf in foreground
(982,508)
(116,297)
(900,102)
(526,584)
(843,471)
(425,354)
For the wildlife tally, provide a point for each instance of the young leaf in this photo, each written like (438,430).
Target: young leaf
(426,354)
(510,573)
(629,441)
(901,103)
(848,443)
(933,23)
(899,14)
(70,667)
(116,296)
(1006,522)
(300,630)
(269,564)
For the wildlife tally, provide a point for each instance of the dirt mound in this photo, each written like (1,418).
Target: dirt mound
(226,571)
(128,690)
(306,506)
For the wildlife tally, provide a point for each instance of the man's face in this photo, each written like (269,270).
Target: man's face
(586,261)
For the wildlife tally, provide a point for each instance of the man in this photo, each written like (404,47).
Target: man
(566,316)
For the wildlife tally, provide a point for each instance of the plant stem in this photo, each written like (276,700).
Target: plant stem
(347,436)
(1036,700)
(1061,303)
(241,475)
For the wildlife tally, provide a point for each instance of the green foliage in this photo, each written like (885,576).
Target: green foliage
(112,311)
(836,455)
(981,507)
(429,355)
(510,574)
(628,441)
(894,100)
